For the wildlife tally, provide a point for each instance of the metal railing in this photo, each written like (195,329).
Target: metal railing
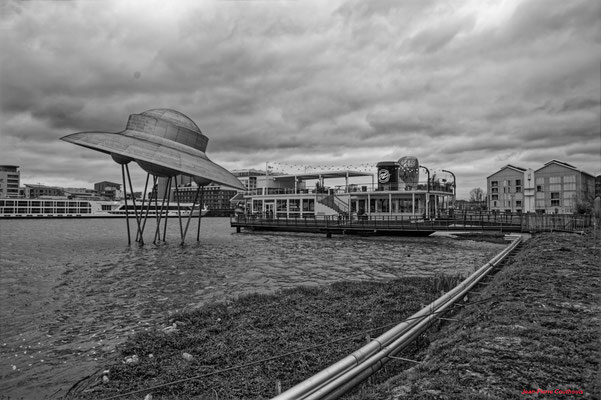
(353,188)
(466,221)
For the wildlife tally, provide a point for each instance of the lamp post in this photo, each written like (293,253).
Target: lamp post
(427,192)
(454,185)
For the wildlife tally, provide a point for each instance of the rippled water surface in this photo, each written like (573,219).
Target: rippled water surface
(71,290)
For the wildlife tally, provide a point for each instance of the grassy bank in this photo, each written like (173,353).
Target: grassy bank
(538,338)
(276,338)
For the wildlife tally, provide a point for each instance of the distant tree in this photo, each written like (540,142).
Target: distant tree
(476,195)
(584,205)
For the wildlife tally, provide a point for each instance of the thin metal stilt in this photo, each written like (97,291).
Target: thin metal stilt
(159,213)
(168,192)
(143,218)
(200,206)
(192,212)
(126,206)
(179,214)
(133,199)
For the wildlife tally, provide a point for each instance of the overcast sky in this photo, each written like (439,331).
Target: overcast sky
(467,86)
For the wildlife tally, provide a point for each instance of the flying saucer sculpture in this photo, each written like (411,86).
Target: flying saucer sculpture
(165,143)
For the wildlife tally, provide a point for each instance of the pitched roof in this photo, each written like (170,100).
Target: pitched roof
(513,167)
(563,164)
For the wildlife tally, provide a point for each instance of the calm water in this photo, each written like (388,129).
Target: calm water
(71,290)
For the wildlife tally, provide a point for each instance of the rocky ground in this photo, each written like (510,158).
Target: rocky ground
(538,337)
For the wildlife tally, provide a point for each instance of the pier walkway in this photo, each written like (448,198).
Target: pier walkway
(412,226)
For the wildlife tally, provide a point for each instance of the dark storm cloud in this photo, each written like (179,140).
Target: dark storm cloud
(465,85)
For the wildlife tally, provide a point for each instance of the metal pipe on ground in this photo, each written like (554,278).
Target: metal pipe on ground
(356,375)
(328,376)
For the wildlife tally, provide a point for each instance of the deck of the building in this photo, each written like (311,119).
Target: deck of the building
(406,226)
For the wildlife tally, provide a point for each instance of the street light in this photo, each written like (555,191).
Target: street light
(428,193)
(454,185)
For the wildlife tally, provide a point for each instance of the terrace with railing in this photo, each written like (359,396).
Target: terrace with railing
(353,188)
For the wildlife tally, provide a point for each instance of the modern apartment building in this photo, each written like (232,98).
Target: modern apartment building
(10,179)
(557,187)
(511,189)
(560,186)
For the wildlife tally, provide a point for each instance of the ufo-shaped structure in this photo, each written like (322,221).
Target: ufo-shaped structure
(165,143)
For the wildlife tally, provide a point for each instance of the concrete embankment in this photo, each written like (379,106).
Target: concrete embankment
(535,335)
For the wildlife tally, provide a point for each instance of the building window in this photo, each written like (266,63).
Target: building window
(540,188)
(494,184)
(555,179)
(555,187)
(495,197)
(555,202)
(518,203)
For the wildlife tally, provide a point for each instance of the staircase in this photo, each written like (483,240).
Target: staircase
(334,202)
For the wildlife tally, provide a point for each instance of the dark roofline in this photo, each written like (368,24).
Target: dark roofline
(564,164)
(519,169)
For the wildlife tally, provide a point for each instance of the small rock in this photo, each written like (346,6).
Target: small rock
(132,360)
(148,397)
(105,379)
(170,329)
(188,356)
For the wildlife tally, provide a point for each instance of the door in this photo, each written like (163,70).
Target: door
(269,208)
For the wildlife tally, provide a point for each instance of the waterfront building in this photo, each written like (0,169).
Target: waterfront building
(37,191)
(251,178)
(214,197)
(561,186)
(557,187)
(506,189)
(107,189)
(10,180)
(394,191)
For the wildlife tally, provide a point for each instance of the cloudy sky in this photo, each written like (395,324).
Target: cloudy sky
(467,86)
